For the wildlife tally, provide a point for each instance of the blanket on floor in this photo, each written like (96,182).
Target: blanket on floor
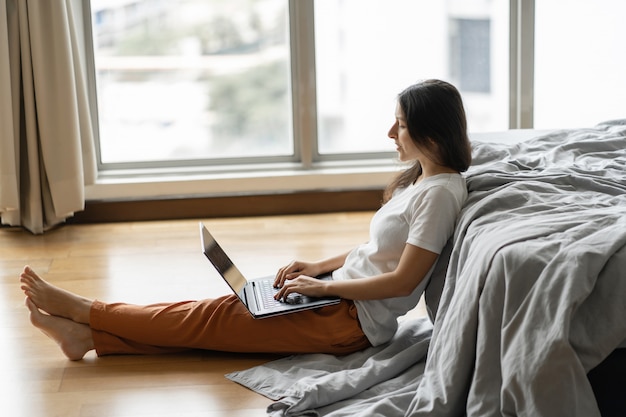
(320,384)
(532,283)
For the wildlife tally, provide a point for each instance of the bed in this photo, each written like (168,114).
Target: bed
(527,303)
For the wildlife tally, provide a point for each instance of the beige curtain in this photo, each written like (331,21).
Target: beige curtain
(46,138)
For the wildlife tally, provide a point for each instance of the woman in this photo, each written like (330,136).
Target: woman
(378,281)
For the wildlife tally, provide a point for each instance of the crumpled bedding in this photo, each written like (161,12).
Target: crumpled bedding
(529,295)
(322,384)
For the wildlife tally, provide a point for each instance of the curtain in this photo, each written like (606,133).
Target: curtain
(47,151)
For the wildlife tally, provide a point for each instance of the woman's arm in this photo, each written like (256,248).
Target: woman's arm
(414,264)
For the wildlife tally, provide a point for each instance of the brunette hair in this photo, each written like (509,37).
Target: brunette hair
(436,122)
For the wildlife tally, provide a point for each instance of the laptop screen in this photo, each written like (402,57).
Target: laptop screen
(222,262)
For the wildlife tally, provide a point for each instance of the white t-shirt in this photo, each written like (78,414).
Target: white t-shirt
(423,215)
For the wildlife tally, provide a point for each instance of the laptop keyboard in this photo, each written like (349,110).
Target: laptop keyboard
(267,292)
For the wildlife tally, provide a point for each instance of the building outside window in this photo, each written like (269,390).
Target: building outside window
(470,55)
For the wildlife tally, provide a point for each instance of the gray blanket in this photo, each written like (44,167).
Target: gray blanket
(533,295)
(383,377)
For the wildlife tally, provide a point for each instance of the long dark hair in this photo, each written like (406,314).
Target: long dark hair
(436,121)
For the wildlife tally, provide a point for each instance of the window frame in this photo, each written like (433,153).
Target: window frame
(307,169)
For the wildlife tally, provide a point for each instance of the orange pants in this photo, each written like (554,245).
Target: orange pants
(223,324)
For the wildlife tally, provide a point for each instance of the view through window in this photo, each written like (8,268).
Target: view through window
(192,79)
(579,65)
(367,51)
(198,80)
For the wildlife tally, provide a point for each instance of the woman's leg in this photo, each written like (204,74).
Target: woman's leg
(223,324)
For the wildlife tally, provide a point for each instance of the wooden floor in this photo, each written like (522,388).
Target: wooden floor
(145,262)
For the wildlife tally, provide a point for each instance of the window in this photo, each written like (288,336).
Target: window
(367,51)
(223,83)
(191,80)
(579,63)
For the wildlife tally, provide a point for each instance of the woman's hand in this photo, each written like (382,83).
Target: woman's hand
(304,285)
(299,276)
(295,269)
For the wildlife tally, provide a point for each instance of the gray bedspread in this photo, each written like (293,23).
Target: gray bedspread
(534,296)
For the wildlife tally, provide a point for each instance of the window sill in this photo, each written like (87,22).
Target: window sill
(263,180)
(117,187)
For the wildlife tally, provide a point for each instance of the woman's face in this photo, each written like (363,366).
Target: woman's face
(407,150)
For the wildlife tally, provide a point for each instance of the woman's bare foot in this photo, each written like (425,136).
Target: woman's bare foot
(54,300)
(73,338)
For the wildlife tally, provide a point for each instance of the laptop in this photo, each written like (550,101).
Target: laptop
(257,294)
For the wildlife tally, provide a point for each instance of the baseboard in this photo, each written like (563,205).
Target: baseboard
(232,206)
